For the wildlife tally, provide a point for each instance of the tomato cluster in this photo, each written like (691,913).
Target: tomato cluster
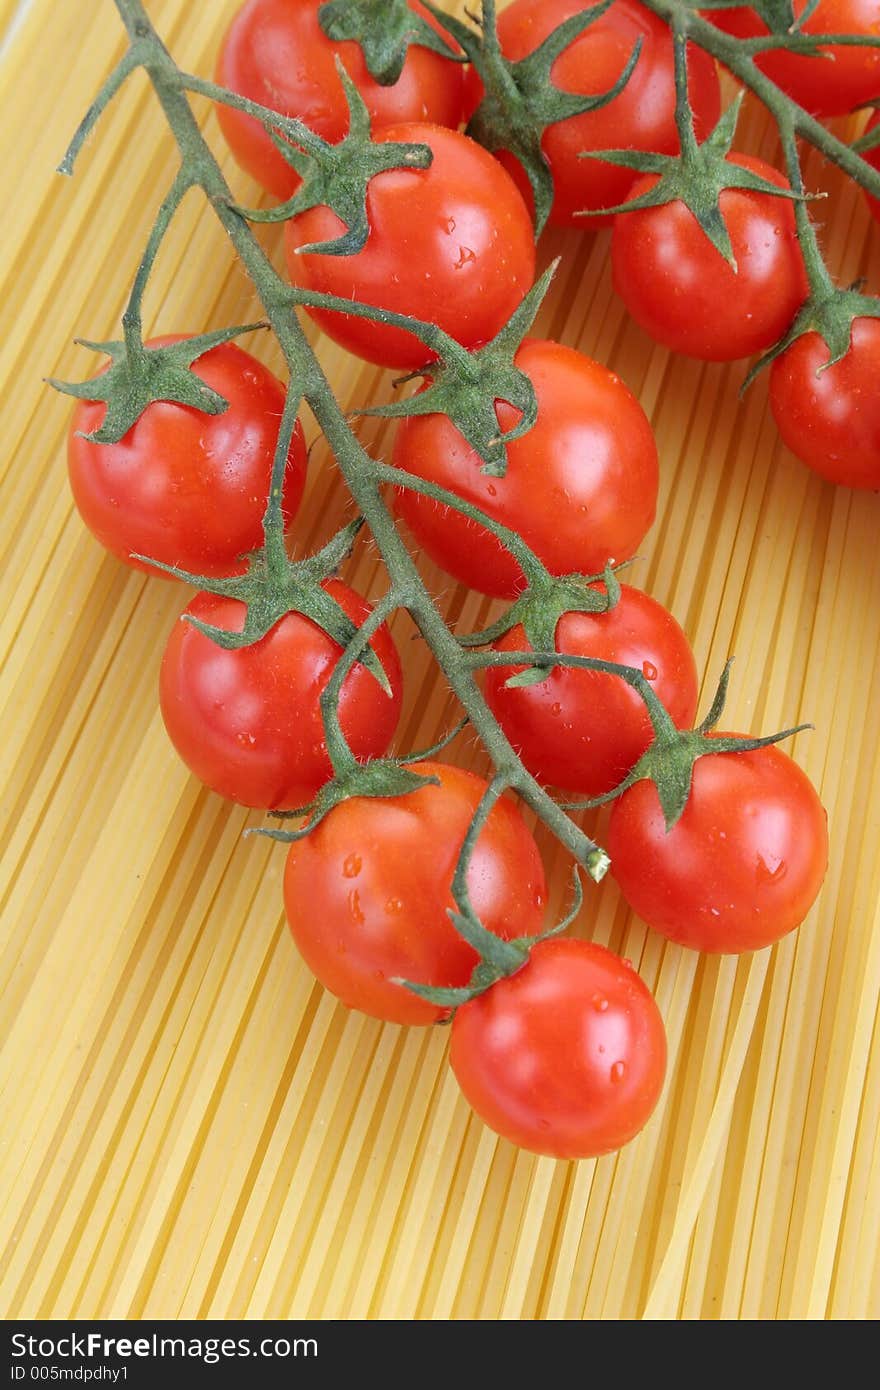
(564,1051)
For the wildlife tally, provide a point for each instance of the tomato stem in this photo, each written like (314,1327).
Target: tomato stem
(356,466)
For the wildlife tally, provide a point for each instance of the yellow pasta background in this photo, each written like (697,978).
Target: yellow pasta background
(192,1127)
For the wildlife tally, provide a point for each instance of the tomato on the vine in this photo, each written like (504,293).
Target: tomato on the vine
(825,86)
(583,730)
(641,117)
(683,292)
(247,721)
(275,53)
(184,487)
(580,487)
(367,892)
(830,416)
(741,867)
(566,1057)
(452,244)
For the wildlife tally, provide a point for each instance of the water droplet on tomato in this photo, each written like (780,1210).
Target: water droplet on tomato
(245,740)
(492,490)
(556,709)
(352,866)
(465,256)
(354,906)
(618,1072)
(649,670)
(600,1003)
(450,225)
(394,906)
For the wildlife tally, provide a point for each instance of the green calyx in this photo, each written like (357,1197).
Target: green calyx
(521,100)
(384,29)
(382,777)
(696,177)
(338,176)
(669,761)
(498,958)
(539,609)
(269,590)
(140,375)
(466,386)
(830,312)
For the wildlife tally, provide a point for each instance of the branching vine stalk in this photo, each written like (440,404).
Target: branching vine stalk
(273,584)
(307,380)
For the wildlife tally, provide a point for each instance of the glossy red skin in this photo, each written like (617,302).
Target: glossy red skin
(275,53)
(580,488)
(743,865)
(682,291)
(832,421)
(184,487)
(452,244)
(873,158)
(821,87)
(582,731)
(248,722)
(367,892)
(641,117)
(567,1057)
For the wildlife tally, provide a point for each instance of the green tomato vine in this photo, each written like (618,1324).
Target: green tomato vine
(520,102)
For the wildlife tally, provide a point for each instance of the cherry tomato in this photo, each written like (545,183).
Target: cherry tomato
(183,487)
(367,893)
(824,86)
(642,117)
(831,419)
(451,244)
(276,53)
(248,722)
(743,865)
(873,158)
(582,730)
(567,1057)
(581,485)
(682,291)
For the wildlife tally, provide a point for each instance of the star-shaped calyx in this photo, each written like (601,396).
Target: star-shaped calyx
(384,29)
(697,177)
(140,374)
(539,609)
(498,958)
(270,590)
(466,386)
(830,313)
(669,760)
(520,100)
(337,176)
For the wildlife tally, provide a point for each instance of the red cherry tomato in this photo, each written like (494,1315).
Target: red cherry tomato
(824,86)
(183,487)
(248,722)
(682,291)
(581,485)
(276,53)
(831,419)
(743,865)
(582,730)
(566,1057)
(367,892)
(451,244)
(642,117)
